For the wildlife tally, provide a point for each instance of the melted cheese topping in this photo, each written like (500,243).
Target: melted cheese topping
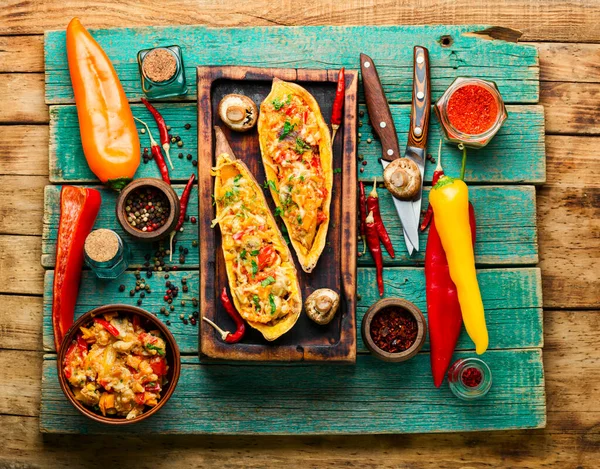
(293,137)
(263,276)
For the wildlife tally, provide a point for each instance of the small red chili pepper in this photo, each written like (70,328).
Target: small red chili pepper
(157,153)
(373,206)
(240,325)
(362,203)
(338,103)
(162,129)
(108,326)
(183,204)
(372,238)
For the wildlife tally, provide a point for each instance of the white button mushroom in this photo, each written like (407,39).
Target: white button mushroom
(238,112)
(322,305)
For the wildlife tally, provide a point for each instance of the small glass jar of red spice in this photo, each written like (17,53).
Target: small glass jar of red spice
(469,378)
(471,111)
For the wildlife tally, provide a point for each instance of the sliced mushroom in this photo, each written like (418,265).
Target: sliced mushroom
(402,178)
(238,112)
(322,305)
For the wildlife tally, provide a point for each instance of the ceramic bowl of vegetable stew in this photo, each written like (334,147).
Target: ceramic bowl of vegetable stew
(394,329)
(118,364)
(148,209)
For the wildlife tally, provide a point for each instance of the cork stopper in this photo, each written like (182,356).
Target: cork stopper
(159,65)
(102,245)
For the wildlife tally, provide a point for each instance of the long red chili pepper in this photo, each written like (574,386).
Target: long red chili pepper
(372,238)
(183,204)
(78,210)
(108,326)
(362,205)
(443,309)
(240,325)
(338,103)
(162,129)
(157,154)
(373,206)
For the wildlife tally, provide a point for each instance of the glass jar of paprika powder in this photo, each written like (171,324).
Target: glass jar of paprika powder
(471,111)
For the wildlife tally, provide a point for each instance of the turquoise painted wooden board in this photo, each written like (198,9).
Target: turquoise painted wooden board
(512,300)
(514,67)
(506,227)
(370,397)
(320,399)
(515,155)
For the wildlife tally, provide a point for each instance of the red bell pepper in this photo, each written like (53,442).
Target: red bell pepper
(159,366)
(78,210)
(108,326)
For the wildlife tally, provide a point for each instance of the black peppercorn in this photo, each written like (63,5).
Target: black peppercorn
(121,287)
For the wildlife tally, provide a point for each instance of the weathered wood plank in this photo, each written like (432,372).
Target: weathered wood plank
(569,62)
(21,54)
(571,108)
(506,229)
(107,218)
(569,224)
(21,322)
(23,98)
(560,20)
(514,67)
(231,399)
(512,298)
(22,204)
(516,154)
(24,150)
(20,269)
(21,389)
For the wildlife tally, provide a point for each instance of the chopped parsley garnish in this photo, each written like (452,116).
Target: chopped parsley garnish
(243,254)
(270,184)
(256,301)
(268,281)
(337,170)
(301,178)
(272,303)
(255,252)
(278,104)
(237,178)
(160,351)
(301,146)
(254,268)
(287,128)
(277,211)
(299,219)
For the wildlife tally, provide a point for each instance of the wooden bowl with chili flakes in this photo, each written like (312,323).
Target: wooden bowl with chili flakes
(147,322)
(394,330)
(138,208)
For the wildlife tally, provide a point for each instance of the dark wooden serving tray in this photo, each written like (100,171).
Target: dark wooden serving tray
(336,268)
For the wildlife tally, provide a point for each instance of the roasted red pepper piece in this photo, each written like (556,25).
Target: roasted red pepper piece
(372,238)
(78,210)
(266,257)
(112,330)
(338,103)
(159,366)
(373,206)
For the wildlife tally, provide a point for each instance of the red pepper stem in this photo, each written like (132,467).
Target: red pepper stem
(373,192)
(334,131)
(153,142)
(463,166)
(167,147)
(171,236)
(439,168)
(223,333)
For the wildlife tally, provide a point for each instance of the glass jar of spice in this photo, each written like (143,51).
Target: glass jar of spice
(162,72)
(471,111)
(106,253)
(469,378)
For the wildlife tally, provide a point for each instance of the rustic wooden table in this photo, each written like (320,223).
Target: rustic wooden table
(569,234)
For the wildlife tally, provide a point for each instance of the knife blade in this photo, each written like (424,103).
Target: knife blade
(383,126)
(419,122)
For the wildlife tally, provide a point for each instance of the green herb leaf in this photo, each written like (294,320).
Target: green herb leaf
(277,212)
(337,170)
(301,178)
(277,104)
(270,184)
(254,268)
(299,219)
(243,254)
(255,252)
(256,301)
(301,146)
(272,303)
(160,351)
(287,128)
(237,178)
(268,281)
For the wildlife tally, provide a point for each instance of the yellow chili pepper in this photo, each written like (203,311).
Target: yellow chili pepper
(450,201)
(108,133)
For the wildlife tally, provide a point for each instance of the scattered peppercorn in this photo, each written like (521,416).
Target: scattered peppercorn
(179,143)
(193,220)
(195,163)
(139,302)
(121,287)
(132,293)
(180,156)
(364,163)
(147,209)
(361,113)
(369,140)
(185,321)
(189,157)
(187,126)
(195,243)
(193,321)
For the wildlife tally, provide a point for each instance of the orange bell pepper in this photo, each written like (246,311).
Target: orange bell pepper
(108,133)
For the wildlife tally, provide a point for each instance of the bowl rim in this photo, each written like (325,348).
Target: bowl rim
(408,306)
(127,309)
(168,192)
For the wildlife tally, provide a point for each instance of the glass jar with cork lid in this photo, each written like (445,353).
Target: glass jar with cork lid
(162,72)
(106,254)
